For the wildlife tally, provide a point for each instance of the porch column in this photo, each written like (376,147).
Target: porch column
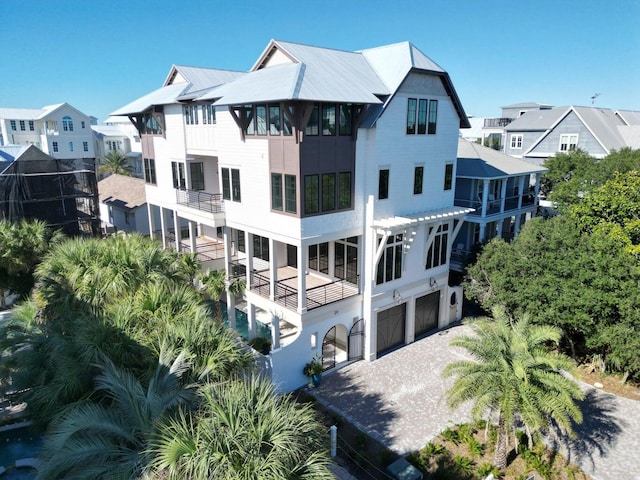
(273,269)
(193,232)
(163,228)
(485,198)
(152,220)
(521,190)
(410,324)
(251,320)
(248,242)
(516,227)
(536,190)
(275,332)
(499,225)
(302,278)
(176,229)
(231,300)
(483,232)
(503,194)
(369,245)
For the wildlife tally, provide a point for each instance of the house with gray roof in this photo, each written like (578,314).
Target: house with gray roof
(538,135)
(503,192)
(123,204)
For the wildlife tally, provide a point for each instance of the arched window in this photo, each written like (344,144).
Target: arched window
(67,124)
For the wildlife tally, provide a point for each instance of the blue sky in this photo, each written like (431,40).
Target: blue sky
(99,55)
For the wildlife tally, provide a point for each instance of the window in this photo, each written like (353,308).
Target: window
(152,121)
(319,257)
(312,124)
(448,176)
(196,171)
(150,171)
(276,191)
(23,126)
(261,247)
(226,184)
(390,263)
(191,114)
(67,124)
(411,116)
(32,127)
(311,194)
(241,245)
(85,146)
(328,119)
(344,190)
(286,123)
(231,184)
(208,114)
(249,118)
(346,259)
(437,253)
(422,117)
(55,146)
(274,120)
(261,119)
(328,191)
(516,141)
(82,123)
(70,145)
(418,173)
(433,116)
(346,119)
(383,184)
(290,194)
(568,142)
(13,124)
(179,179)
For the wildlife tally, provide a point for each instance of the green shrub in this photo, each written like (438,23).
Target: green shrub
(464,465)
(450,435)
(476,449)
(486,469)
(261,344)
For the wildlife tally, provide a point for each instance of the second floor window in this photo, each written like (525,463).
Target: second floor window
(55,146)
(196,169)
(437,252)
(179,180)
(67,124)
(150,171)
(448,176)
(23,126)
(390,263)
(13,124)
(383,184)
(85,146)
(32,126)
(208,114)
(70,146)
(516,141)
(422,116)
(191,114)
(568,142)
(231,184)
(418,174)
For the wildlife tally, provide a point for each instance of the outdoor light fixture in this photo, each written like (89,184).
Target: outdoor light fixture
(432,282)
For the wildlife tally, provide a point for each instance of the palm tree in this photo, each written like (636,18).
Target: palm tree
(107,438)
(242,429)
(115,162)
(515,375)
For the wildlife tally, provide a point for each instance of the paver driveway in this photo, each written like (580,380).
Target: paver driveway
(400,400)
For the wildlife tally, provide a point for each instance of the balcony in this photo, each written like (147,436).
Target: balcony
(497,122)
(494,206)
(320,290)
(202,201)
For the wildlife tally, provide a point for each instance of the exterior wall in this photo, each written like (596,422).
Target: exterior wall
(137,221)
(63,138)
(200,139)
(571,124)
(528,139)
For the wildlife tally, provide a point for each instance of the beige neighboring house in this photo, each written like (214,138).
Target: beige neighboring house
(123,204)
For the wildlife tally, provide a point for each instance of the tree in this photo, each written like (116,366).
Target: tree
(108,437)
(242,429)
(115,162)
(514,375)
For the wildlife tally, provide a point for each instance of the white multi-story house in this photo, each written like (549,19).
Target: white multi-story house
(60,131)
(329,176)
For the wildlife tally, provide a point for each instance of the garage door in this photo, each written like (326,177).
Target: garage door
(427,309)
(391,328)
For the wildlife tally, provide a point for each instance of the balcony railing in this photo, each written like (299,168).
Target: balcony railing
(497,122)
(206,202)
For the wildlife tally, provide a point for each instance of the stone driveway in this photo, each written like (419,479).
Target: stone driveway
(400,400)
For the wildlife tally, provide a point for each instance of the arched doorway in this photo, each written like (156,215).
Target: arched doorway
(334,347)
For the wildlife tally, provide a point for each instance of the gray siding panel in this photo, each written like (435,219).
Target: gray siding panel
(571,124)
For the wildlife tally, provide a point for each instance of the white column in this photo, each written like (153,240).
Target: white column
(368,241)
(163,228)
(485,198)
(521,190)
(410,321)
(273,269)
(275,332)
(251,320)
(248,242)
(176,228)
(231,300)
(152,220)
(483,232)
(193,232)
(302,279)
(503,194)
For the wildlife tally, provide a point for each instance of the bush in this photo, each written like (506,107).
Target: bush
(261,344)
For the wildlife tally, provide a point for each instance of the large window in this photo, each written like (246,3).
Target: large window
(319,257)
(150,171)
(418,174)
(67,124)
(329,119)
(568,142)
(448,176)
(274,120)
(276,191)
(261,119)
(85,146)
(290,192)
(196,171)
(23,125)
(191,114)
(152,121)
(208,114)
(433,116)
(437,253)
(55,146)
(422,117)
(411,115)
(241,244)
(179,179)
(383,184)
(32,126)
(231,184)
(261,247)
(311,194)
(516,141)
(346,119)
(13,125)
(390,263)
(328,191)
(346,259)
(312,123)
(344,190)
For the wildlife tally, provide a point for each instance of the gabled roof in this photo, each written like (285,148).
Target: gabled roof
(477,161)
(528,105)
(629,117)
(537,120)
(201,79)
(161,96)
(123,191)
(34,113)
(108,131)
(12,153)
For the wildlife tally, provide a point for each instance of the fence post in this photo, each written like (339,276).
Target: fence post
(334,440)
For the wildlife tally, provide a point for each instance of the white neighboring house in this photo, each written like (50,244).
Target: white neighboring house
(60,130)
(123,204)
(326,180)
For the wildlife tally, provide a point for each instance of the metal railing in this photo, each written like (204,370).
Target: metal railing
(206,202)
(237,269)
(497,122)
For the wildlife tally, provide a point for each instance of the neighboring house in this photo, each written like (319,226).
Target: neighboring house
(493,129)
(62,192)
(123,204)
(329,176)
(113,138)
(538,135)
(500,190)
(58,130)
